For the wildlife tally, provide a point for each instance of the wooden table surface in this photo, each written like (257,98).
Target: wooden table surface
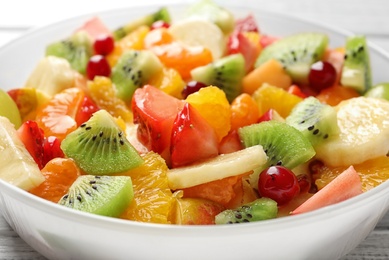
(359,16)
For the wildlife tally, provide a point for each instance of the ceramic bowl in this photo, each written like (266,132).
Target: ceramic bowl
(61,233)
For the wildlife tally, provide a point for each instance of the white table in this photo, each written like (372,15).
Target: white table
(360,16)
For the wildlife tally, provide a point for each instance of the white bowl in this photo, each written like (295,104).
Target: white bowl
(61,233)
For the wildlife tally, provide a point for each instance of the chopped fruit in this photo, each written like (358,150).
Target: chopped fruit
(246,24)
(243,195)
(335,94)
(230,143)
(59,175)
(296,90)
(192,87)
(87,108)
(336,58)
(97,66)
(240,43)
(104,44)
(52,149)
(154,113)
(159,24)
(103,93)
(193,139)
(344,186)
(213,105)
(278,183)
(271,114)
(270,72)
(169,81)
(95,27)
(322,75)
(33,138)
(17,167)
(153,199)
(9,109)
(268,96)
(267,40)
(244,111)
(195,211)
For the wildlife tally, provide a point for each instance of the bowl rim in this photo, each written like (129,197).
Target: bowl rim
(128,225)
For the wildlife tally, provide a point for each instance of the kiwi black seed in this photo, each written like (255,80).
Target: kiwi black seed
(225,73)
(99,147)
(283,144)
(297,53)
(101,195)
(133,70)
(259,209)
(317,121)
(147,20)
(356,72)
(77,49)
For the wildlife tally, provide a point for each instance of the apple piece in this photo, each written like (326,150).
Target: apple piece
(9,109)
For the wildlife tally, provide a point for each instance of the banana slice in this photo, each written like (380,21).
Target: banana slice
(16,164)
(217,168)
(200,33)
(364,132)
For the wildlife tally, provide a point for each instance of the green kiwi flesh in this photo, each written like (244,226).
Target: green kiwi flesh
(160,15)
(99,146)
(317,121)
(101,195)
(133,70)
(77,49)
(297,53)
(225,73)
(259,209)
(283,144)
(356,71)
(210,11)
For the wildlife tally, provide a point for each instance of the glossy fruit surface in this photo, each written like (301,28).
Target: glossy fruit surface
(98,66)
(322,75)
(279,184)
(244,111)
(104,44)
(192,87)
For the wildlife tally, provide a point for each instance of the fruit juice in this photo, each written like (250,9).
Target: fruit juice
(200,121)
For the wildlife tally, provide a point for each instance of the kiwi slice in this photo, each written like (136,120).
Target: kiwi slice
(133,70)
(77,49)
(210,11)
(297,53)
(283,144)
(99,146)
(380,90)
(225,73)
(259,209)
(160,15)
(356,72)
(101,195)
(317,121)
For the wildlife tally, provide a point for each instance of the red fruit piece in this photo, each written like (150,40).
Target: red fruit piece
(98,66)
(104,44)
(230,143)
(270,114)
(296,90)
(159,24)
(51,149)
(266,40)
(346,185)
(246,24)
(87,108)
(239,43)
(154,112)
(32,137)
(95,27)
(193,139)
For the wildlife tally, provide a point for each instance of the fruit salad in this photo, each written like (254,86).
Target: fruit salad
(200,121)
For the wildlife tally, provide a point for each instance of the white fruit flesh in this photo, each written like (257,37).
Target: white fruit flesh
(17,167)
(200,33)
(364,133)
(51,75)
(217,168)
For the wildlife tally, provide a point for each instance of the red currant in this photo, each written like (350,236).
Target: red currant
(104,44)
(322,75)
(97,66)
(192,87)
(159,24)
(278,183)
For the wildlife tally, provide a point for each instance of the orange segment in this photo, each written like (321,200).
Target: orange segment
(157,37)
(372,172)
(244,111)
(335,94)
(132,41)
(60,173)
(268,96)
(169,81)
(153,199)
(103,93)
(213,105)
(57,117)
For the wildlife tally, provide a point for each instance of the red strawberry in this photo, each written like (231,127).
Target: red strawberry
(247,24)
(51,149)
(192,138)
(87,108)
(33,138)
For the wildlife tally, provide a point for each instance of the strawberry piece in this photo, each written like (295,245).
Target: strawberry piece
(296,90)
(192,138)
(239,43)
(266,40)
(51,149)
(32,137)
(247,24)
(230,143)
(87,108)
(346,185)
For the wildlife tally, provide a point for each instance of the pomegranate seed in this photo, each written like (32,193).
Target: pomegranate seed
(97,66)
(192,87)
(322,75)
(104,44)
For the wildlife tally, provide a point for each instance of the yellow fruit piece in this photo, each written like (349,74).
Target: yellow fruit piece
(169,81)
(153,199)
(103,93)
(132,41)
(213,105)
(270,72)
(268,96)
(372,172)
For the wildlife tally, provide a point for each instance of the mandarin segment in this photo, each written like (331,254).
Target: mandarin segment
(244,111)
(169,81)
